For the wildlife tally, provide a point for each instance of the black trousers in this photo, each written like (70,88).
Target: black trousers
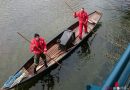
(37,57)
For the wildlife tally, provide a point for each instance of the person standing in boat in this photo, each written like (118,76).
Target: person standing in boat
(83,20)
(38,47)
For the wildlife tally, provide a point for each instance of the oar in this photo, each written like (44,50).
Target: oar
(38,48)
(69,6)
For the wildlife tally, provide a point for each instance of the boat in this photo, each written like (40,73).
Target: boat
(26,72)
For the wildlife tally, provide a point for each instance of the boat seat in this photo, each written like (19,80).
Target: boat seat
(92,21)
(66,39)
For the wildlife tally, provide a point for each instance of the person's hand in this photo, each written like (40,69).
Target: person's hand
(34,45)
(35,52)
(74,14)
(45,53)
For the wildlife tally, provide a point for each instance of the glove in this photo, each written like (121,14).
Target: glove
(35,52)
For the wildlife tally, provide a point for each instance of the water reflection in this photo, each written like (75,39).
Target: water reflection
(85,48)
(99,24)
(126,15)
(46,82)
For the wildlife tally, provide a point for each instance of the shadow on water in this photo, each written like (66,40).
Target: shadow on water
(97,26)
(47,82)
(85,48)
(94,33)
(127,15)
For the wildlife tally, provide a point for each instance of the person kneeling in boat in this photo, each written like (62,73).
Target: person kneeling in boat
(83,20)
(38,47)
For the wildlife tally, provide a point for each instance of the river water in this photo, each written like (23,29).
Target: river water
(90,64)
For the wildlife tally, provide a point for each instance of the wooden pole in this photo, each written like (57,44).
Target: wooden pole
(69,6)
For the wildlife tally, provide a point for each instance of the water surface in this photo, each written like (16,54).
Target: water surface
(49,18)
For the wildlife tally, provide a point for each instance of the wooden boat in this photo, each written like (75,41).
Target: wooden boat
(26,73)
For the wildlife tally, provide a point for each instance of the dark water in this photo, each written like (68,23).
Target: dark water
(89,64)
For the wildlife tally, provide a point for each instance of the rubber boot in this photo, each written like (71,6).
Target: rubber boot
(45,63)
(35,72)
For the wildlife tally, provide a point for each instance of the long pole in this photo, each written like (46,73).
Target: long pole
(37,47)
(69,6)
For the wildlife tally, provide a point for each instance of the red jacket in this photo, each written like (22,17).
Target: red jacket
(82,16)
(34,45)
